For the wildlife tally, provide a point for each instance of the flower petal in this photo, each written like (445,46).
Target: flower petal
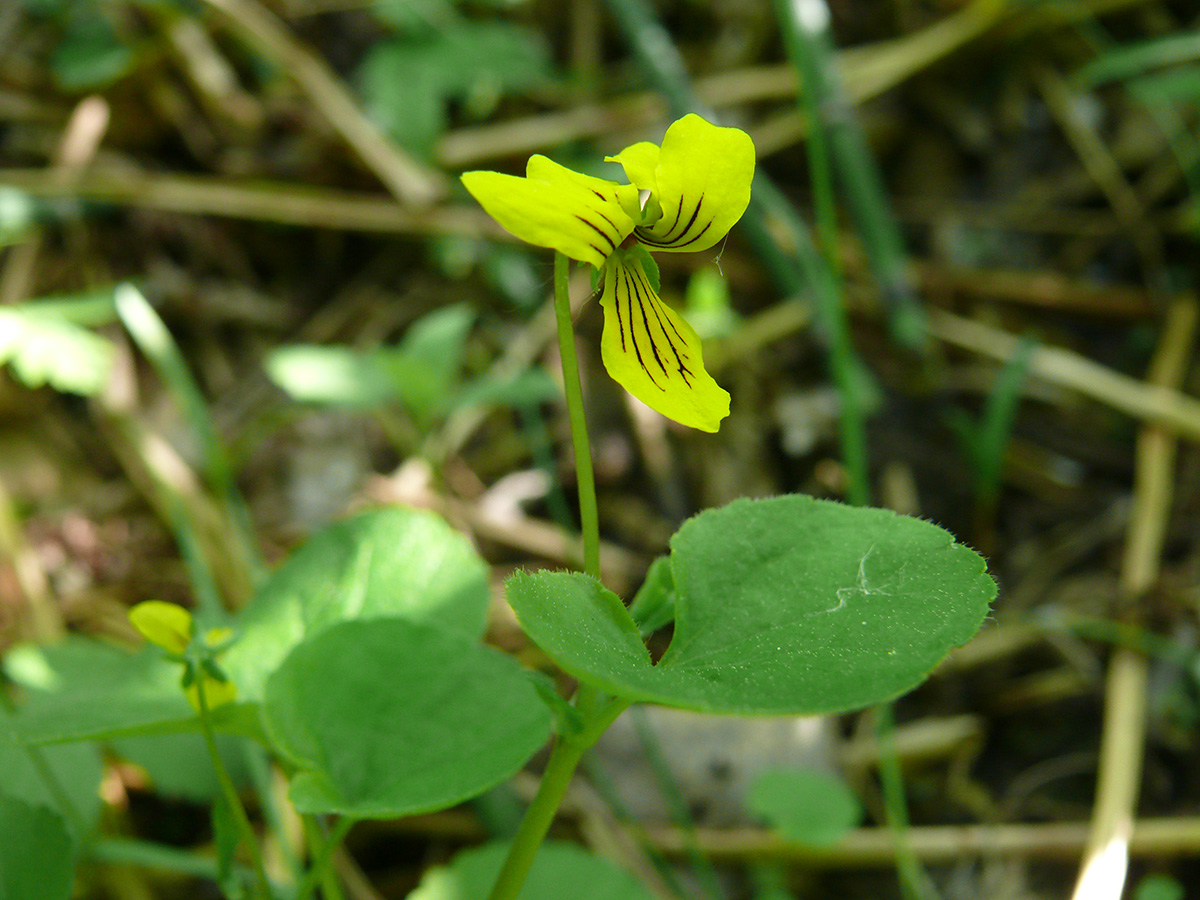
(639,162)
(703,185)
(165,624)
(653,353)
(580,216)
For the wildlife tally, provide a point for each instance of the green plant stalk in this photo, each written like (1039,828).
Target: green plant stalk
(564,759)
(806,55)
(769,881)
(154,339)
(596,711)
(199,568)
(155,856)
(229,792)
(589,518)
(259,767)
(914,884)
(996,424)
(830,118)
(319,871)
(802,46)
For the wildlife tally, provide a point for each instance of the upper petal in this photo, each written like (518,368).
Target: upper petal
(703,185)
(580,216)
(639,162)
(652,352)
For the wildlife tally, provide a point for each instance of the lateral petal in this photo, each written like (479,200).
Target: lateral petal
(653,353)
(703,185)
(580,216)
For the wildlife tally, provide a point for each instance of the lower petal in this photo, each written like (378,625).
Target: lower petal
(653,353)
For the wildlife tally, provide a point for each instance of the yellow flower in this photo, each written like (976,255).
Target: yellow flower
(170,627)
(684,195)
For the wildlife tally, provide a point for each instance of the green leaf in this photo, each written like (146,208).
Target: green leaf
(532,386)
(44,348)
(391,717)
(472,873)
(407,82)
(787,605)
(1175,86)
(389,562)
(513,273)
(35,855)
(82,689)
(422,372)
(654,605)
(90,55)
(75,769)
(93,690)
(1159,887)
(1138,57)
(805,805)
(336,376)
(18,215)
(425,367)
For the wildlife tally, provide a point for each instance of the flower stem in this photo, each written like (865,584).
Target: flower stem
(589,519)
(564,758)
(324,847)
(914,883)
(597,711)
(262,888)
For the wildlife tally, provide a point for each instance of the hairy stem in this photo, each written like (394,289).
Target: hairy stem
(589,519)
(262,888)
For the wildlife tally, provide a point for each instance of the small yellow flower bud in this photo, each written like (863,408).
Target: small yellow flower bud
(165,624)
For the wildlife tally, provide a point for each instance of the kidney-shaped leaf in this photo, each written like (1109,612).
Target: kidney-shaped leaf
(389,717)
(389,562)
(786,605)
(559,870)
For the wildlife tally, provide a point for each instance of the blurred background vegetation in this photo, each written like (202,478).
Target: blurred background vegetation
(242,293)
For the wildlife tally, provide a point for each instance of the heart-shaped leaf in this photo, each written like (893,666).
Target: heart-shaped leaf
(390,717)
(787,605)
